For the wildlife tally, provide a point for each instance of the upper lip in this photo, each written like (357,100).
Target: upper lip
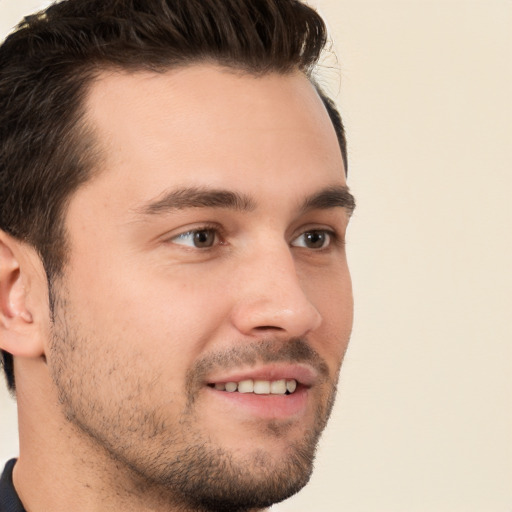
(302,373)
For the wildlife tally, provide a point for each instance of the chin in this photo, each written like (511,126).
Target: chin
(234,482)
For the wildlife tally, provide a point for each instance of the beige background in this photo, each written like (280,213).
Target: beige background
(423,421)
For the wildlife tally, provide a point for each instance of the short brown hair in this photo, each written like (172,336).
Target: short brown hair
(47,64)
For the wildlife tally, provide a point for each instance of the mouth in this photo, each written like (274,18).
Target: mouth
(258,387)
(270,392)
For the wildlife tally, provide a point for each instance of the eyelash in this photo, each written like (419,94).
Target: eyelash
(333,238)
(330,237)
(202,229)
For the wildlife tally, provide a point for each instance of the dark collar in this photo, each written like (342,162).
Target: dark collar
(9,501)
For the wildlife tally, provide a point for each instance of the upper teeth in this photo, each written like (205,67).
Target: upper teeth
(259,387)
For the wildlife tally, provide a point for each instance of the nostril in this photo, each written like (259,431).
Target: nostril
(268,328)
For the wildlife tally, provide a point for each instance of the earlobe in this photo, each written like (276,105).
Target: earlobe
(19,334)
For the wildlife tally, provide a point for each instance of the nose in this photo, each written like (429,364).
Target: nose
(270,299)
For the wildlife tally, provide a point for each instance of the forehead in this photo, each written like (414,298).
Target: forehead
(208,125)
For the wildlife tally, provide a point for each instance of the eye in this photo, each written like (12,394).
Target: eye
(315,239)
(198,238)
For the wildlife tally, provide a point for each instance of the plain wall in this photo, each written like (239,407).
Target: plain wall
(423,421)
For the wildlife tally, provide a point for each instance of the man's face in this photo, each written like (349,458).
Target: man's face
(208,252)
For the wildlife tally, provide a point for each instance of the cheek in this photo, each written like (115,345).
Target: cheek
(331,293)
(171,314)
(339,304)
(127,337)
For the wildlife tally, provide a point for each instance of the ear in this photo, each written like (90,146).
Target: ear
(20,283)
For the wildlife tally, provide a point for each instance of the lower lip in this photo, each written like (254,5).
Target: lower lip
(264,406)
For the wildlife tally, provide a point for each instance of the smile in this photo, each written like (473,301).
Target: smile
(278,391)
(258,387)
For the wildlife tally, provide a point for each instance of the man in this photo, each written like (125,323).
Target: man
(174,292)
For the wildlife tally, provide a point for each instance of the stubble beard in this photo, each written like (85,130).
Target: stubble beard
(179,464)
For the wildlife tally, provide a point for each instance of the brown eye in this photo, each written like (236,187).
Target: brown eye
(317,239)
(198,238)
(204,238)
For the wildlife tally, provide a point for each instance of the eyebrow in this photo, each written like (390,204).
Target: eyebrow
(203,197)
(330,197)
(197,197)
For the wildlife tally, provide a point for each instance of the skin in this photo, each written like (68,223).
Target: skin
(116,390)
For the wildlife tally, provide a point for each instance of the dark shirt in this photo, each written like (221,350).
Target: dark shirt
(9,501)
